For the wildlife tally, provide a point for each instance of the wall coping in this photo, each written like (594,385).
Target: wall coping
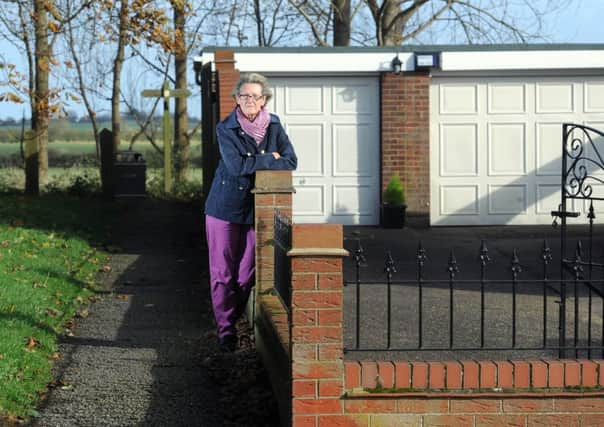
(433,394)
(335,252)
(263,190)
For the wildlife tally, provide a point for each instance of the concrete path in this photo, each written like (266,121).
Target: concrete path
(146,354)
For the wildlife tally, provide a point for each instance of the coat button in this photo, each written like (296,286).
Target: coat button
(261,151)
(249,154)
(222,182)
(241,188)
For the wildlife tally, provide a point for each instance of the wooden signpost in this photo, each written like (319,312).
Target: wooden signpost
(166,94)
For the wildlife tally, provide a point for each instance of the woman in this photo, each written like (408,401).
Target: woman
(249,139)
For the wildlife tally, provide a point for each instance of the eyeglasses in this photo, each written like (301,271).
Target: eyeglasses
(250,97)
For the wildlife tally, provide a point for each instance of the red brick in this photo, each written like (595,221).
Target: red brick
(475,405)
(398,420)
(402,375)
(419,375)
(448,420)
(555,374)
(488,374)
(369,374)
(304,421)
(352,375)
(329,281)
(521,374)
(505,374)
(367,406)
(316,370)
(357,420)
(579,404)
(600,368)
(386,374)
(304,388)
(591,420)
(453,375)
(316,334)
(329,317)
(436,375)
(330,351)
(500,421)
(302,282)
(330,388)
(317,236)
(589,373)
(470,374)
(304,352)
(539,372)
(304,317)
(283,201)
(522,405)
(422,406)
(316,264)
(557,420)
(317,406)
(572,373)
(324,299)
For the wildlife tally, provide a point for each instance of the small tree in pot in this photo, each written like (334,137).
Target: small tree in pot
(393,204)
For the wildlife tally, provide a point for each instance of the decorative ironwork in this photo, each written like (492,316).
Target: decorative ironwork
(580,157)
(282,268)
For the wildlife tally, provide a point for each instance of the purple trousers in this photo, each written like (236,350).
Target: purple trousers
(232,267)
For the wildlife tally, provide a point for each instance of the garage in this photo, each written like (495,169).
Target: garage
(496,144)
(333,123)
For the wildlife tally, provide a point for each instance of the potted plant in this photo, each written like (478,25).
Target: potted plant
(393,204)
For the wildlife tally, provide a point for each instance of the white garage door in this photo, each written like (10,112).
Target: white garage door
(333,123)
(496,145)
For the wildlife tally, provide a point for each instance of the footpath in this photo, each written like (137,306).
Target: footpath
(146,354)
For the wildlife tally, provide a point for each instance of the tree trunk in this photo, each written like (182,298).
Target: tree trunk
(390,28)
(181,120)
(118,63)
(341,22)
(40,112)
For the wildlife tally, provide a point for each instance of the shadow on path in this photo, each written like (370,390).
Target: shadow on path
(147,353)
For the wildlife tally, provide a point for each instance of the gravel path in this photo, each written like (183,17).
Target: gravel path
(146,353)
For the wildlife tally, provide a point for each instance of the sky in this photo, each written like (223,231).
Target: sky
(579,23)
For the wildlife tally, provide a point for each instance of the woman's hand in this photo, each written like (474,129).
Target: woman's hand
(276,155)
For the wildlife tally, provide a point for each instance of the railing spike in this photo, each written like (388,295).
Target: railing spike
(359,255)
(421,254)
(591,214)
(546,252)
(515,264)
(452,266)
(484,253)
(390,266)
(579,250)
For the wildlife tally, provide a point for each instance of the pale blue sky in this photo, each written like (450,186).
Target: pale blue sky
(579,23)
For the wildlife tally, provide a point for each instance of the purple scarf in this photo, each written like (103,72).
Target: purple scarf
(257,128)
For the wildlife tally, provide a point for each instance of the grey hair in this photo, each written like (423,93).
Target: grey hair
(257,79)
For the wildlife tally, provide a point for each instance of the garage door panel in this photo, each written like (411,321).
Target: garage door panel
(507,149)
(594,97)
(304,99)
(353,154)
(353,99)
(549,148)
(506,98)
(310,147)
(459,200)
(458,149)
(555,97)
(507,199)
(310,200)
(594,149)
(459,99)
(347,200)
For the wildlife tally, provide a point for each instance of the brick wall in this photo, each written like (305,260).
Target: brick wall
(227,76)
(405,123)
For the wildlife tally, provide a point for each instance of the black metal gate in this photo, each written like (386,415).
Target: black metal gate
(209,117)
(582,184)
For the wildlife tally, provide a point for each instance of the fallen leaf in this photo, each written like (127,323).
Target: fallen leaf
(121,296)
(55,355)
(83,313)
(105,269)
(30,343)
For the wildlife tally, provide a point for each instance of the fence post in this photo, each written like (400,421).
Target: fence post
(316,337)
(107,160)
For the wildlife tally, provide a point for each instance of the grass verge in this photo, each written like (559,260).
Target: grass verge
(48,264)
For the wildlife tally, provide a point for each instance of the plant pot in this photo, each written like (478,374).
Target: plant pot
(393,216)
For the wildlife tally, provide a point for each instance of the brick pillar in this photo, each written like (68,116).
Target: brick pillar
(316,325)
(227,76)
(406,137)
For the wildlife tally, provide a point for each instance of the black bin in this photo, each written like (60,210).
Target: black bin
(130,174)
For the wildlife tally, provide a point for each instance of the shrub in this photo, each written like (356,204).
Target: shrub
(394,193)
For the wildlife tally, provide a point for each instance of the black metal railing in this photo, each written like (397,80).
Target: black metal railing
(494,308)
(282,272)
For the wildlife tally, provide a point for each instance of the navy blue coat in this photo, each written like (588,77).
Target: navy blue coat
(230,197)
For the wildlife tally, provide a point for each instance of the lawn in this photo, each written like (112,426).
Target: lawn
(48,265)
